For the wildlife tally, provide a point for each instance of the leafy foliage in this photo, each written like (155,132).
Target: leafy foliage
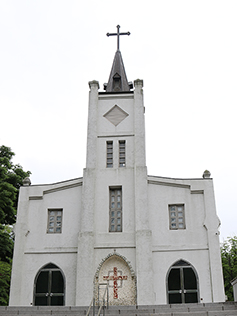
(11,178)
(6,243)
(5,277)
(229,264)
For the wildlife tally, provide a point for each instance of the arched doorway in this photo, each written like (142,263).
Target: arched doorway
(49,286)
(116,271)
(182,283)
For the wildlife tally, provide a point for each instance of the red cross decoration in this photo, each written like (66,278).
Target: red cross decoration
(115,277)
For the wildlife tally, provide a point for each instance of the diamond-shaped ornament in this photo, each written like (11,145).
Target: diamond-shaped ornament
(116,115)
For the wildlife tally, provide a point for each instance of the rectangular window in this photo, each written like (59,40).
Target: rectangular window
(176,215)
(115,209)
(109,155)
(122,162)
(55,221)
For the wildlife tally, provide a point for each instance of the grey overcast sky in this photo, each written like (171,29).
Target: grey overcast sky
(184,50)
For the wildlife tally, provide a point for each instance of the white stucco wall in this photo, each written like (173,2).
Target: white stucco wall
(34,247)
(146,241)
(197,244)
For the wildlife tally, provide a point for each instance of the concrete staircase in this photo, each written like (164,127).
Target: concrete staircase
(208,309)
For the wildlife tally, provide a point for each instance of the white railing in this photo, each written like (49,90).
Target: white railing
(101,303)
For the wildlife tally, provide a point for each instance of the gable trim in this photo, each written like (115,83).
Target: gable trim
(65,187)
(179,185)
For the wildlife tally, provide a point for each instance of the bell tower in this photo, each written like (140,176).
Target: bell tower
(114,195)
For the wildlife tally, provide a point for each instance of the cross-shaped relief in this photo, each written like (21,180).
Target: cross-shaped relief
(116,278)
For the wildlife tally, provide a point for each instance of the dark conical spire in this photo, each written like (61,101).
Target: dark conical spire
(118,81)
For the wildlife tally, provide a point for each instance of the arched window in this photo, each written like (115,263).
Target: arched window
(49,286)
(182,283)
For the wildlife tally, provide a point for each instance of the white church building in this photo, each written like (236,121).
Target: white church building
(151,239)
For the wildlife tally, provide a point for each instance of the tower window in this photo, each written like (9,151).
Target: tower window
(176,215)
(115,209)
(116,82)
(122,161)
(109,155)
(55,221)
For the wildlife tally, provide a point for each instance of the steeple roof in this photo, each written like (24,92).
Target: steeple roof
(118,81)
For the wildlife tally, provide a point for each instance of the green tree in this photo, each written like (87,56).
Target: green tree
(11,178)
(229,264)
(5,277)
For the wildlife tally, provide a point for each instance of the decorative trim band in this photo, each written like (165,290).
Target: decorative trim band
(115,95)
(107,136)
(35,198)
(179,185)
(65,187)
(183,249)
(197,192)
(49,252)
(115,247)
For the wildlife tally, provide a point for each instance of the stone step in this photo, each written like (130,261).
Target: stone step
(133,310)
(208,309)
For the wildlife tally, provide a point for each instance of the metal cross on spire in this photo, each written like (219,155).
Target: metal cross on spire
(118,34)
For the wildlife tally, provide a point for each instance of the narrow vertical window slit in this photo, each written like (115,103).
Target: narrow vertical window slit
(122,153)
(115,210)
(109,154)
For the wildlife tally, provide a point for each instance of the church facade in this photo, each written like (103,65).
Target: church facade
(148,239)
